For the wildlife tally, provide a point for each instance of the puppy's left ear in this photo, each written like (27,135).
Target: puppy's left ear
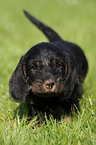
(18,86)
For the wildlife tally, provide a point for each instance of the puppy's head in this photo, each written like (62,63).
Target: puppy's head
(46,71)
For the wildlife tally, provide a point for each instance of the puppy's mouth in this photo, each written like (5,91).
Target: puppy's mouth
(48,88)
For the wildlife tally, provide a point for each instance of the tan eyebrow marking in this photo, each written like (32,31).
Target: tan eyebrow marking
(54,61)
(38,64)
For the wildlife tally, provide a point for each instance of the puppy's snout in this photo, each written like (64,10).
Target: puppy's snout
(49,84)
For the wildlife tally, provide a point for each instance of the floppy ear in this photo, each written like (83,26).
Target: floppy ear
(18,86)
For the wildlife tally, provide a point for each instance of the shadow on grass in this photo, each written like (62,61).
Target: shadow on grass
(21,111)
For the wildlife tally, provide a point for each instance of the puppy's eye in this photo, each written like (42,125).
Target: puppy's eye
(34,67)
(58,65)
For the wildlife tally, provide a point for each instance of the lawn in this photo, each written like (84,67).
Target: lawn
(74,20)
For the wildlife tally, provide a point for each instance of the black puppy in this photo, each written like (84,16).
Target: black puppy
(50,75)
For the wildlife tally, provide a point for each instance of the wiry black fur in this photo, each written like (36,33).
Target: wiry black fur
(50,75)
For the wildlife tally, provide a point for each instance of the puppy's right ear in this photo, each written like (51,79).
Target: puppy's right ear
(18,86)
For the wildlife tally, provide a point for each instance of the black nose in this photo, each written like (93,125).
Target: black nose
(49,84)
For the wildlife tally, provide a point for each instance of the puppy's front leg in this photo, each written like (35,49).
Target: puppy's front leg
(32,111)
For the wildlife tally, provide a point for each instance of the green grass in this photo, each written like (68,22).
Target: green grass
(75,23)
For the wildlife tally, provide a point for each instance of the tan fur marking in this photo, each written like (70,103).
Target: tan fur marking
(66,69)
(54,61)
(38,64)
(24,71)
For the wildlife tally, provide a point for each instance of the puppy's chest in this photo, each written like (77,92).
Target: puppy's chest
(56,110)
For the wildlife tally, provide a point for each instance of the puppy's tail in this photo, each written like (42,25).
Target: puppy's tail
(49,33)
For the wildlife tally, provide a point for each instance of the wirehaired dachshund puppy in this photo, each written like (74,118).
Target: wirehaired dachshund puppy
(50,75)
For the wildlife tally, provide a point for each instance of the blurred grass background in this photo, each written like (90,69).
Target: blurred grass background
(74,20)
